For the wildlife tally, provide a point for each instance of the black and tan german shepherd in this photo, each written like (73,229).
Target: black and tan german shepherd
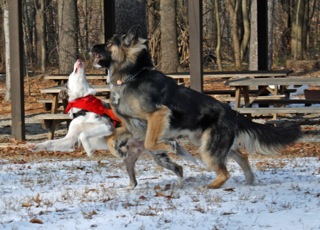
(154,108)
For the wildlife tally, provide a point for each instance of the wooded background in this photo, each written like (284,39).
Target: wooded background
(56,32)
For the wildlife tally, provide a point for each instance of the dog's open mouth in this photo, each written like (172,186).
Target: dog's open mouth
(97,58)
(78,65)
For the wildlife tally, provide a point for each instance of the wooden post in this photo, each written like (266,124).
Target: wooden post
(262,6)
(195,41)
(16,70)
(109,19)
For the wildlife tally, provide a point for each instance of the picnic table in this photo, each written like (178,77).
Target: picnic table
(55,117)
(225,75)
(63,78)
(236,74)
(276,96)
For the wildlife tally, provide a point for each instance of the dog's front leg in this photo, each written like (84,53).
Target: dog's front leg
(135,149)
(164,160)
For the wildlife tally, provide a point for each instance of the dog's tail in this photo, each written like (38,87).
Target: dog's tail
(265,139)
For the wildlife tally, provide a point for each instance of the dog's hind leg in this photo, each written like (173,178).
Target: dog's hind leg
(243,161)
(158,124)
(163,160)
(214,150)
(65,144)
(92,130)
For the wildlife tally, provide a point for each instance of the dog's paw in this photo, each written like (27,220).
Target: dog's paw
(122,151)
(89,153)
(35,147)
(131,186)
(118,151)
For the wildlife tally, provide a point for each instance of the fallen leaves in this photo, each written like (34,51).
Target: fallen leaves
(36,221)
(161,192)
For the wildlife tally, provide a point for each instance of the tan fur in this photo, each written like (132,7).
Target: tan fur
(222,173)
(222,176)
(158,124)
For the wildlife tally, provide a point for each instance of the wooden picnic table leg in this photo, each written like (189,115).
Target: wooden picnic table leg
(54,109)
(55,104)
(245,93)
(237,97)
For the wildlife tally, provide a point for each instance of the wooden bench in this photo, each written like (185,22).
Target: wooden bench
(50,121)
(47,103)
(235,74)
(275,101)
(231,92)
(280,84)
(279,110)
(63,78)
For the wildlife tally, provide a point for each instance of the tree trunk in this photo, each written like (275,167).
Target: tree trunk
(218,47)
(209,22)
(246,28)
(297,30)
(169,48)
(7,49)
(68,35)
(41,35)
(253,47)
(2,45)
(151,16)
(271,4)
(152,12)
(233,11)
(305,30)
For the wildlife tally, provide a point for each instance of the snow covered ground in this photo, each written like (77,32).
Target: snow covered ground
(91,194)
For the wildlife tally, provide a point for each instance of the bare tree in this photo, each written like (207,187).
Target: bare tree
(68,35)
(298,33)
(7,49)
(246,28)
(2,45)
(253,49)
(169,47)
(218,47)
(41,57)
(270,32)
(233,6)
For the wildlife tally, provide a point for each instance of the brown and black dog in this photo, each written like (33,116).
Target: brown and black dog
(154,108)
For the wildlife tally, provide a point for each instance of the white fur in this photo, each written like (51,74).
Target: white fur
(89,130)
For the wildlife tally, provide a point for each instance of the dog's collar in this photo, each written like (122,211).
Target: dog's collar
(82,112)
(129,79)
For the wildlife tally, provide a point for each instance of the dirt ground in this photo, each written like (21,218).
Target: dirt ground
(309,145)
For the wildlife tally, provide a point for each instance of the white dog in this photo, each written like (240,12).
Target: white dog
(88,126)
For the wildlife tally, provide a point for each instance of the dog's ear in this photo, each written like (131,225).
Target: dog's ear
(132,35)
